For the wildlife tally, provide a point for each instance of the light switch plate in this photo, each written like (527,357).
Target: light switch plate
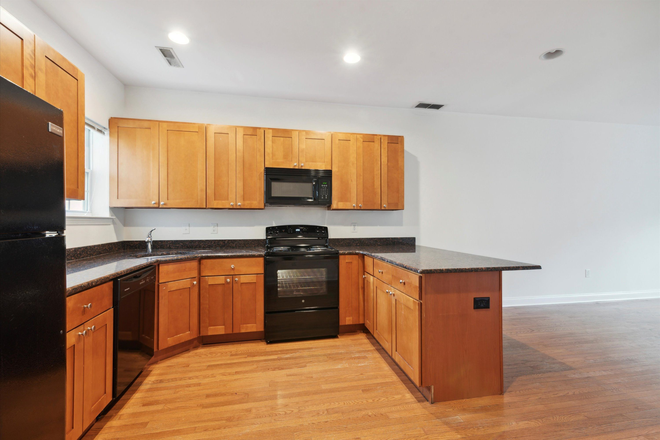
(186,228)
(353,227)
(214,228)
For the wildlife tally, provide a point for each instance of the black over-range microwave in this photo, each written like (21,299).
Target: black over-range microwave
(291,187)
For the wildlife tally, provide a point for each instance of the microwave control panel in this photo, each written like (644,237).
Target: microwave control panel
(324,190)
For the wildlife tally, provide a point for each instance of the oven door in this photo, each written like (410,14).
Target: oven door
(301,282)
(291,190)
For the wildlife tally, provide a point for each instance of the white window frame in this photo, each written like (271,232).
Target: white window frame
(88,181)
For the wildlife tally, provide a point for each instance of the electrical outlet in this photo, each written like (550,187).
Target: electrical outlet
(186,228)
(214,228)
(587,273)
(353,227)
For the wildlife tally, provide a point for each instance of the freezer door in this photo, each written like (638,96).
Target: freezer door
(32,338)
(31,163)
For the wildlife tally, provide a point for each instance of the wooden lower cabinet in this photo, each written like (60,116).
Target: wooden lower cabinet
(351,293)
(369,303)
(383,315)
(406,348)
(178,312)
(89,351)
(248,303)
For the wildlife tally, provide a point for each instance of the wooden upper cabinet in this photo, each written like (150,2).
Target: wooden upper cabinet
(133,163)
(182,165)
(221,166)
(351,290)
(368,171)
(178,312)
(383,315)
(16,52)
(281,148)
(61,84)
(250,167)
(406,348)
(215,305)
(315,150)
(344,171)
(392,186)
(248,303)
(97,366)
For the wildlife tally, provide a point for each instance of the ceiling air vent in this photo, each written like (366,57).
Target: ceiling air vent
(170,56)
(428,106)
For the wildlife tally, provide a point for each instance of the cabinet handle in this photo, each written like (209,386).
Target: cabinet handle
(228,279)
(239,203)
(295,164)
(384,206)
(360,205)
(194,282)
(231,204)
(162,203)
(353,205)
(91,329)
(380,271)
(233,267)
(364,276)
(236,279)
(302,165)
(87,306)
(402,282)
(153,202)
(82,333)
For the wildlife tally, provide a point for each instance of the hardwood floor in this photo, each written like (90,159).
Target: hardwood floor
(571,372)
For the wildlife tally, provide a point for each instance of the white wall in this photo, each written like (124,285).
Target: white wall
(567,195)
(104,97)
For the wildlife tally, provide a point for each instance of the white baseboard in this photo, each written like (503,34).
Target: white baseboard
(579,298)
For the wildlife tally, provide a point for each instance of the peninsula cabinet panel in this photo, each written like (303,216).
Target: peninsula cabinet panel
(97,366)
(406,349)
(182,165)
(250,167)
(61,84)
(344,171)
(16,52)
(315,150)
(369,302)
(281,148)
(383,315)
(248,303)
(351,293)
(178,312)
(368,171)
(392,186)
(133,163)
(221,166)
(215,306)
(74,383)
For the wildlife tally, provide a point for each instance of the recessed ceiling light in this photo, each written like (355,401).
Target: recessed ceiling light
(552,54)
(178,37)
(351,58)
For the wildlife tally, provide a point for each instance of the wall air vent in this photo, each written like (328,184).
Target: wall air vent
(428,106)
(170,56)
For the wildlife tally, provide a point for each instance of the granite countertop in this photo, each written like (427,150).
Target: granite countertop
(85,273)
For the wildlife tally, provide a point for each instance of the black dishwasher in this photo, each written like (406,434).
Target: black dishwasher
(134,332)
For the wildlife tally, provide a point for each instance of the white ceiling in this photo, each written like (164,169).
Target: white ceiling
(473,56)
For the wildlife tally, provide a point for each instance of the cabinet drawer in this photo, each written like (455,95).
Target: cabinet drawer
(177,271)
(403,280)
(369,265)
(232,266)
(88,304)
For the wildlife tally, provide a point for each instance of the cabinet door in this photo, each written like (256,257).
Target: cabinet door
(248,303)
(369,302)
(391,155)
(16,52)
(178,312)
(368,171)
(250,167)
(133,163)
(344,171)
(182,165)
(61,84)
(315,150)
(281,148)
(97,366)
(75,340)
(351,293)
(407,335)
(383,315)
(221,166)
(215,309)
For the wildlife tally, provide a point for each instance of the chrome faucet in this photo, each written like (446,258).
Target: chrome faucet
(149,240)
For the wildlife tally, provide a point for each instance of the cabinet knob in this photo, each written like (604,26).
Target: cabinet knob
(402,282)
(384,206)
(380,271)
(153,202)
(364,276)
(233,267)
(231,204)
(360,205)
(228,279)
(82,333)
(239,203)
(302,164)
(162,203)
(295,164)
(87,306)
(194,282)
(91,329)
(236,279)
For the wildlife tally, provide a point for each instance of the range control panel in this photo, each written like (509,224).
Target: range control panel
(297,231)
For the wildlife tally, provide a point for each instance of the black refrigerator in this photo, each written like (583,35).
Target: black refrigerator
(32,267)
